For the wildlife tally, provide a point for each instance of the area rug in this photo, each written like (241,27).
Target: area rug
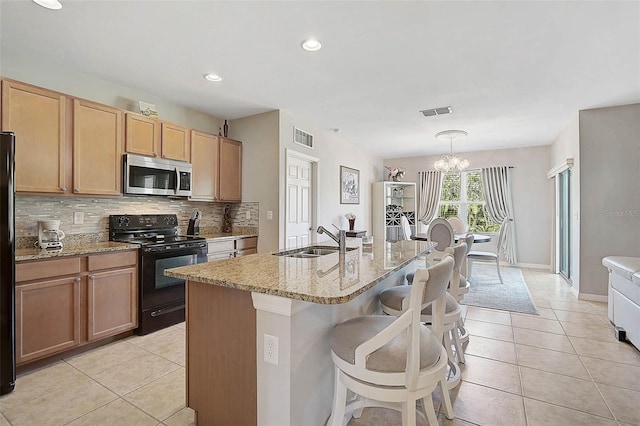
(486,291)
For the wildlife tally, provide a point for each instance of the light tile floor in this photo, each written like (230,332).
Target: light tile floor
(563,367)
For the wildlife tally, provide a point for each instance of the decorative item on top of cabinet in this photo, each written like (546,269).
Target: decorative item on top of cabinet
(142,135)
(225,129)
(38,118)
(97,149)
(205,159)
(176,142)
(230,170)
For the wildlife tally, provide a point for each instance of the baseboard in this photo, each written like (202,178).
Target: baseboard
(533,266)
(593,297)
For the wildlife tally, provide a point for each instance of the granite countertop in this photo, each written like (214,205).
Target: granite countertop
(328,279)
(72,249)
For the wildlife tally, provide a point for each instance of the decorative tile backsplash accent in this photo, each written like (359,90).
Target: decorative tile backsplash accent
(96,211)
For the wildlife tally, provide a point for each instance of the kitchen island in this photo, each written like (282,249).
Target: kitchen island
(233,377)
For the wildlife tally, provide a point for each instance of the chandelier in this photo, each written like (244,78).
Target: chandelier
(451,162)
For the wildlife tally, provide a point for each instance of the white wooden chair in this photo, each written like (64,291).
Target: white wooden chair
(457,225)
(406,228)
(395,361)
(487,256)
(441,232)
(393,300)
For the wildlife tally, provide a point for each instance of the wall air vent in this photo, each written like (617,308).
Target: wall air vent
(303,138)
(437,111)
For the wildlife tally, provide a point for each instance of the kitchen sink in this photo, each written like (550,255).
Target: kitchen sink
(309,252)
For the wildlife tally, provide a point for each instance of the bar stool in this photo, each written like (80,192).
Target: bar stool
(395,361)
(394,300)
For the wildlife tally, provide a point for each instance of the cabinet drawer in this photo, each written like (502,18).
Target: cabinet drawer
(246,252)
(220,256)
(218,246)
(47,268)
(112,260)
(247,243)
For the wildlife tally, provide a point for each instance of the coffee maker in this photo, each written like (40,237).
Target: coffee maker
(49,235)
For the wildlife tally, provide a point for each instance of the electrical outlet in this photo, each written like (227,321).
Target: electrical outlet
(271,349)
(269,215)
(78,218)
(248,215)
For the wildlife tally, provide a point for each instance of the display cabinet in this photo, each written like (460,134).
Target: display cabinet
(392,200)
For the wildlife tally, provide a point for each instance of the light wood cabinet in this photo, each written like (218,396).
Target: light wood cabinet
(142,135)
(72,301)
(97,149)
(229,248)
(230,170)
(47,317)
(38,119)
(112,303)
(205,159)
(175,142)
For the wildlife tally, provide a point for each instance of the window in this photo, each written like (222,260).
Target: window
(462,196)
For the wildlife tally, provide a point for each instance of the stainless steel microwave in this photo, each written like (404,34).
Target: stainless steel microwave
(156,176)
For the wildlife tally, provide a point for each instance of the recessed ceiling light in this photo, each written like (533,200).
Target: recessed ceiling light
(213,77)
(49,4)
(311,45)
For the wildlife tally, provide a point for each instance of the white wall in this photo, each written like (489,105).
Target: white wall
(260,138)
(332,151)
(567,145)
(610,198)
(532,194)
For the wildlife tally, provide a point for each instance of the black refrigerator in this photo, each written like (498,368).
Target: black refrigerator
(7,264)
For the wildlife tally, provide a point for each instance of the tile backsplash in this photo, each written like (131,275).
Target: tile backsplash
(30,209)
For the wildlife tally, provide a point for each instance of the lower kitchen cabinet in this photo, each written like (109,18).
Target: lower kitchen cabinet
(230,248)
(47,317)
(68,302)
(112,303)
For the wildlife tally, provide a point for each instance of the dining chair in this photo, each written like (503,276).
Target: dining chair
(395,361)
(406,228)
(392,301)
(487,256)
(457,225)
(441,232)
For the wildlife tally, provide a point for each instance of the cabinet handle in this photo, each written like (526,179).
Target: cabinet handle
(92,277)
(63,189)
(77,280)
(76,190)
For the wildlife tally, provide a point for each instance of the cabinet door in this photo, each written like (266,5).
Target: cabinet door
(230,170)
(175,142)
(142,135)
(47,318)
(112,302)
(97,149)
(205,159)
(37,117)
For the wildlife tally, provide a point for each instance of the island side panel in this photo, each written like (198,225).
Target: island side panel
(221,355)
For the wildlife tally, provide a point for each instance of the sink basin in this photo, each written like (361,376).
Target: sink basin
(309,252)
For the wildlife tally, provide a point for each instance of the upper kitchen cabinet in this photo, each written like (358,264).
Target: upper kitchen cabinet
(205,158)
(230,170)
(142,135)
(97,149)
(38,118)
(176,144)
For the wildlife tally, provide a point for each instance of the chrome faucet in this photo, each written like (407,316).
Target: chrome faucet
(341,239)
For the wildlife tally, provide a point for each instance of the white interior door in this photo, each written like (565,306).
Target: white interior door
(300,189)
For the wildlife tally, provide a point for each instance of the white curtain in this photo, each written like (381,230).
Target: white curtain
(430,186)
(496,187)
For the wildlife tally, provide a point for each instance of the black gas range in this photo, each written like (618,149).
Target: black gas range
(161,299)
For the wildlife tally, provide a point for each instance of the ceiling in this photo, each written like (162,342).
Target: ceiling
(514,72)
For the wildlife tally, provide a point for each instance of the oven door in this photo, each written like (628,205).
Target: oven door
(156,289)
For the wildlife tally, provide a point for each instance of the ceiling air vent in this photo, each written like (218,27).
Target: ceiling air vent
(303,138)
(437,111)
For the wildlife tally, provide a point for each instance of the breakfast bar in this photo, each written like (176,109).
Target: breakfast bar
(257,328)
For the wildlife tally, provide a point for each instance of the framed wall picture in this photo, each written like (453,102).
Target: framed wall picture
(349,185)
